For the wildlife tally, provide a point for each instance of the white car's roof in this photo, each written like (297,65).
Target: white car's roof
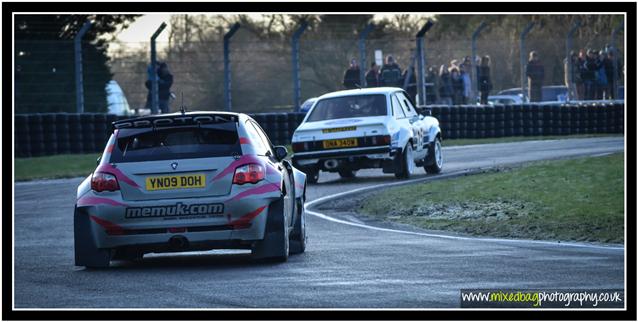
(363,91)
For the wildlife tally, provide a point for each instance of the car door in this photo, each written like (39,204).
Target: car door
(415,123)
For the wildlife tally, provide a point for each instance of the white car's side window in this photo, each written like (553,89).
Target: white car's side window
(396,108)
(405,104)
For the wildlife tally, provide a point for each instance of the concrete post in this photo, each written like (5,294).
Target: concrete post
(420,54)
(296,83)
(227,36)
(473,71)
(568,59)
(79,81)
(362,54)
(154,76)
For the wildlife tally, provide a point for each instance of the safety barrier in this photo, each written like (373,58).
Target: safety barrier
(60,133)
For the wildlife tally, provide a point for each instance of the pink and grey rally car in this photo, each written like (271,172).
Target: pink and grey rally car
(185,182)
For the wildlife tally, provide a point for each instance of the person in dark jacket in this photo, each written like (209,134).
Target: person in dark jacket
(445,86)
(607,65)
(351,76)
(572,75)
(164,82)
(580,83)
(411,86)
(612,78)
(457,85)
(483,78)
(590,66)
(390,74)
(431,86)
(535,75)
(372,76)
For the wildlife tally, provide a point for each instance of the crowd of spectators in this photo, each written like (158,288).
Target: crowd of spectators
(592,74)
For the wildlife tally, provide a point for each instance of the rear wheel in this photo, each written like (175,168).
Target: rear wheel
(435,158)
(298,237)
(276,243)
(86,252)
(405,167)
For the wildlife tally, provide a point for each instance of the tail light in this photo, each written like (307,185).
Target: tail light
(299,146)
(385,139)
(103,181)
(249,173)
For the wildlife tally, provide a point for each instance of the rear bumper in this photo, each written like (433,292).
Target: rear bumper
(341,153)
(240,222)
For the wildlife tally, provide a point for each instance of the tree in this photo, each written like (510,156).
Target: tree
(44,57)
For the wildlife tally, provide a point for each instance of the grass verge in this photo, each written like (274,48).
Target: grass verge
(55,166)
(578,200)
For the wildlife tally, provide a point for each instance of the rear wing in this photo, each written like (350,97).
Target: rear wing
(175,120)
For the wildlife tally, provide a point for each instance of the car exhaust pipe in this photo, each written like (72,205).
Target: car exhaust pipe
(331,164)
(178,242)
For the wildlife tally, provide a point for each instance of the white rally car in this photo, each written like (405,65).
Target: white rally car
(378,127)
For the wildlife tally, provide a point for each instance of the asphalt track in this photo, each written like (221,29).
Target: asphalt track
(349,263)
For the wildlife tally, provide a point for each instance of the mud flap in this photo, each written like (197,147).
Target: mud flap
(86,252)
(275,242)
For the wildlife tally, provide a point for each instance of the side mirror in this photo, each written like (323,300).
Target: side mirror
(99,159)
(280,152)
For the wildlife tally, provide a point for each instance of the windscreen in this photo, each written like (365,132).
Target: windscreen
(348,106)
(147,144)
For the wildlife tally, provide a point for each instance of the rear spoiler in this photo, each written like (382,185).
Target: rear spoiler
(175,120)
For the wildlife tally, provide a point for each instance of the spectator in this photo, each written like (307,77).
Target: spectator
(574,71)
(590,66)
(411,86)
(535,74)
(390,73)
(466,74)
(431,86)
(457,85)
(605,74)
(580,87)
(609,70)
(351,76)
(164,82)
(445,86)
(483,78)
(372,76)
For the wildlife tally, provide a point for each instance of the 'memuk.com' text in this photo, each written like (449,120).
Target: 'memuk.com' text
(178,209)
(490,298)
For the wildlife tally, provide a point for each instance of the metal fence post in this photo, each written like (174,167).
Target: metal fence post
(473,70)
(420,54)
(524,60)
(154,76)
(227,36)
(614,33)
(296,83)
(362,54)
(79,82)
(568,59)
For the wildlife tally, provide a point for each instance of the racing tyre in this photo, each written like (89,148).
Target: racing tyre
(298,238)
(347,173)
(435,158)
(405,164)
(276,243)
(86,252)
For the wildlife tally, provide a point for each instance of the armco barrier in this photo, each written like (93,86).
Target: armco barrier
(48,133)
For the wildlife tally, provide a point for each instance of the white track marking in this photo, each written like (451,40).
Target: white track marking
(447,175)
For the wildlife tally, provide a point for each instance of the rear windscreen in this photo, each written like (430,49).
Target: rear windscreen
(348,106)
(206,141)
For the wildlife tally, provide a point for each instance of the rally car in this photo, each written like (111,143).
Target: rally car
(189,181)
(349,130)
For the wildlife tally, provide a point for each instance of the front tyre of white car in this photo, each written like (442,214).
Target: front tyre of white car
(434,163)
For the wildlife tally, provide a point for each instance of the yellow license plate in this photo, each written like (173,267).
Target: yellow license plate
(341,143)
(176,182)
(339,129)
